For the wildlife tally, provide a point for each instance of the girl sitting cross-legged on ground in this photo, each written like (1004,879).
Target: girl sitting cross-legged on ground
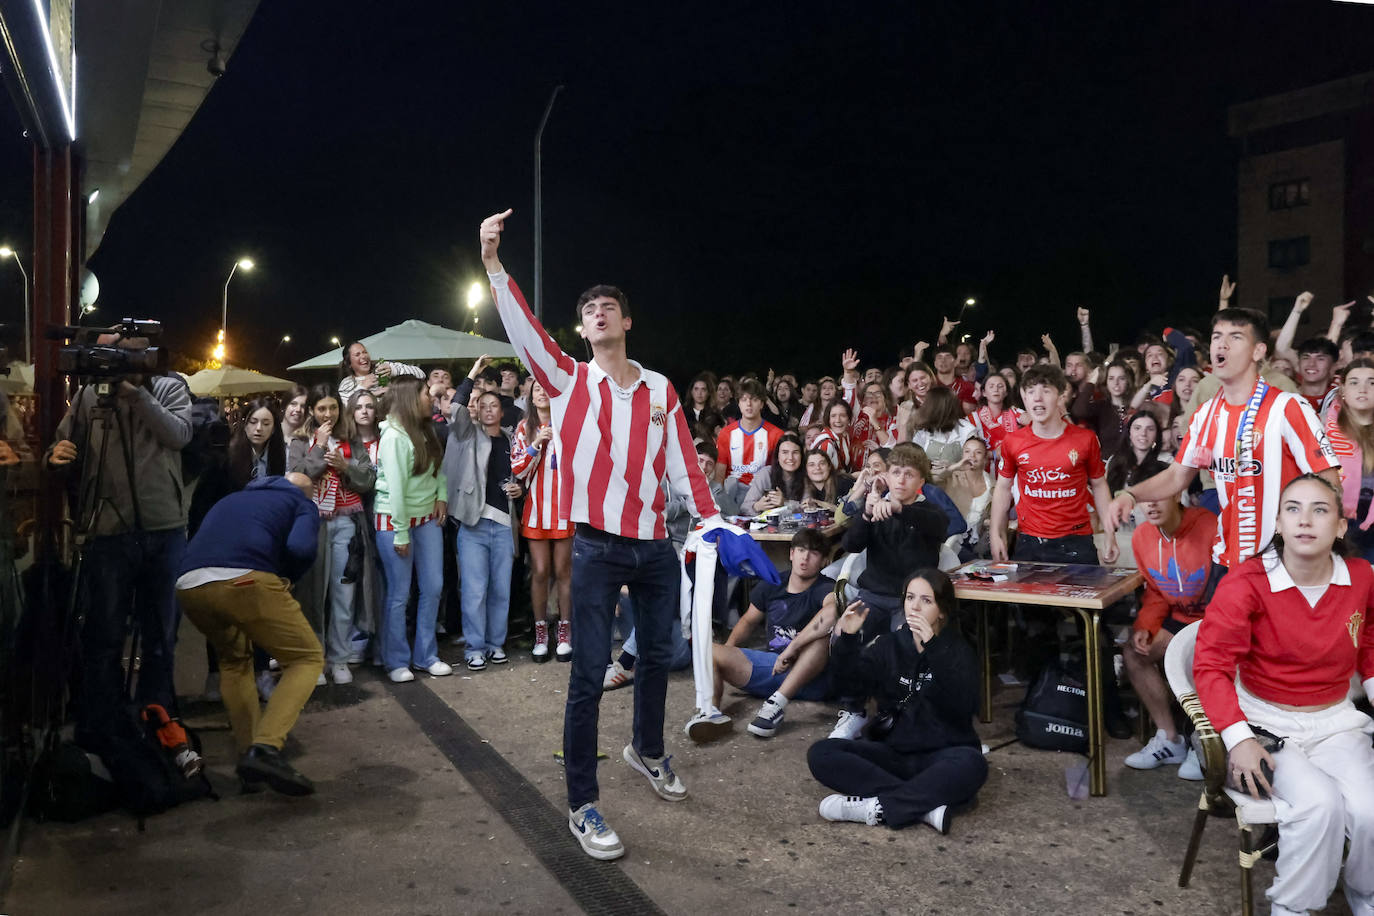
(929,759)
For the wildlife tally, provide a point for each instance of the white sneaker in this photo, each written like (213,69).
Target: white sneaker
(497,656)
(849,726)
(266,684)
(440,668)
(341,674)
(321,681)
(616,676)
(708,726)
(1159,751)
(766,723)
(400,675)
(939,818)
(659,772)
(1191,768)
(597,838)
(852,808)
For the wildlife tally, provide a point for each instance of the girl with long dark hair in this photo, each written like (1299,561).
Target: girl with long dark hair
(411,506)
(835,440)
(358,370)
(940,428)
(782,481)
(922,757)
(546,530)
(328,450)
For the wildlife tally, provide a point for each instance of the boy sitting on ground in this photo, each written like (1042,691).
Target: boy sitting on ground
(902,531)
(783,609)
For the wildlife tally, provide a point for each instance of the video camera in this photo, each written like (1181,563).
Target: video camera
(105,364)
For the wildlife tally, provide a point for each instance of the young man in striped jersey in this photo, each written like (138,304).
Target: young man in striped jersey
(1251,436)
(621,433)
(745,446)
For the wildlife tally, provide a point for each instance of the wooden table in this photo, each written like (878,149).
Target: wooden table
(777,544)
(1080,589)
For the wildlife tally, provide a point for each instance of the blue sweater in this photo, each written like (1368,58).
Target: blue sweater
(269,526)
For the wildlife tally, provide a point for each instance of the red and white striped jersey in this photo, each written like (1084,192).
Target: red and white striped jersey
(615,446)
(539,474)
(1285,439)
(840,450)
(746,453)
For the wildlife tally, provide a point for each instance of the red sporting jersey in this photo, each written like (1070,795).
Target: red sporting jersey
(1285,439)
(994,430)
(746,453)
(964,390)
(1054,477)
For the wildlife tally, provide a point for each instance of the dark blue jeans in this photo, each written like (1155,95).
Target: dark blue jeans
(601,564)
(128,575)
(1074,548)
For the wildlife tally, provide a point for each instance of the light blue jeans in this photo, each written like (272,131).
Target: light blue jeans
(426,559)
(485,555)
(339,622)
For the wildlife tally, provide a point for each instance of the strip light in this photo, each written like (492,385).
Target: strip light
(68,108)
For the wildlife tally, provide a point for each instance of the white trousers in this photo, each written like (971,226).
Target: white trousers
(1323,792)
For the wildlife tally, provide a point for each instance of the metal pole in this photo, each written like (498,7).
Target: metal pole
(28,325)
(224,307)
(539,209)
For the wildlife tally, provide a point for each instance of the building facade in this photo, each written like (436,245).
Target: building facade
(1305,198)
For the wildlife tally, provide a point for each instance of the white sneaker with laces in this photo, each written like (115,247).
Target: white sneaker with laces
(616,676)
(849,726)
(852,808)
(564,649)
(1159,751)
(1191,768)
(659,772)
(341,674)
(400,675)
(497,656)
(765,724)
(597,838)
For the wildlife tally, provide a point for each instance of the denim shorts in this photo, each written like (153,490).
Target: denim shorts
(763,682)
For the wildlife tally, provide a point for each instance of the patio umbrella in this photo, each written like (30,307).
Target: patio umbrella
(415,341)
(231,381)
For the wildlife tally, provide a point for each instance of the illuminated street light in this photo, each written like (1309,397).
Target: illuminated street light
(217,354)
(8,252)
(476,294)
(335,341)
(970,303)
(245,264)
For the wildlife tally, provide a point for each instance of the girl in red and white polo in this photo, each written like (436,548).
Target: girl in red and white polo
(1276,650)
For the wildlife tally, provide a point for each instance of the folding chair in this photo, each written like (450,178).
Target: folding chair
(1216,797)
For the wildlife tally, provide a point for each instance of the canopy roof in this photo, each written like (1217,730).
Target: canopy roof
(415,341)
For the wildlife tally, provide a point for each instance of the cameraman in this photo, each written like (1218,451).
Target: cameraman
(127,498)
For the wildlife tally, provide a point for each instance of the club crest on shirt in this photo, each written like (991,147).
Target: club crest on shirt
(1073,457)
(1353,625)
(658,416)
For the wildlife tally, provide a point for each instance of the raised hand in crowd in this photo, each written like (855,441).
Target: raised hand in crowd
(849,361)
(852,620)
(1340,314)
(1082,316)
(1228,289)
(946,329)
(489,235)
(482,362)
(921,347)
(1050,349)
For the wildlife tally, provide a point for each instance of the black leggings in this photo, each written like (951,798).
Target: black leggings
(907,785)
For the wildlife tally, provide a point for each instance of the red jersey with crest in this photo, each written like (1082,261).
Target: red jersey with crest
(1053,476)
(746,453)
(1286,440)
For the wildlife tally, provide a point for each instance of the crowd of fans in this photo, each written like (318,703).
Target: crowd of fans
(947,455)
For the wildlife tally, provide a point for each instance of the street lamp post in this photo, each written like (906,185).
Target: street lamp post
(968,304)
(8,252)
(246,264)
(539,209)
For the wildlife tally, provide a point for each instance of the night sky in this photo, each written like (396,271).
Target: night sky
(770,183)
